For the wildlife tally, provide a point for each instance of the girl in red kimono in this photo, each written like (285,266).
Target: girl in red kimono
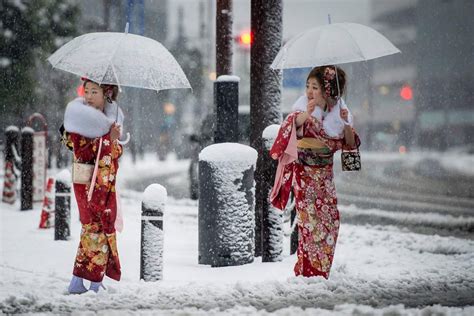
(93,128)
(305,152)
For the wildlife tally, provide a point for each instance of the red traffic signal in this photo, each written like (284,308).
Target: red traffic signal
(406,93)
(245,39)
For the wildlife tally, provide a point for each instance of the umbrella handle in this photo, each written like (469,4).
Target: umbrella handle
(124,142)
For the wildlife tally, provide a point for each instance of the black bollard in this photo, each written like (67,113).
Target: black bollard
(151,249)
(226,99)
(294,232)
(272,218)
(27,168)
(12,159)
(226,204)
(62,215)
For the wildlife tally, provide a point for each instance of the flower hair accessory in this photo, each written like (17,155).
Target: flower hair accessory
(330,82)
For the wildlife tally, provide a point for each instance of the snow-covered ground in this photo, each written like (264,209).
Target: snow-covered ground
(378,269)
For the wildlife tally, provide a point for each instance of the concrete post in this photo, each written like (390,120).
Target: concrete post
(151,249)
(62,201)
(226,204)
(272,222)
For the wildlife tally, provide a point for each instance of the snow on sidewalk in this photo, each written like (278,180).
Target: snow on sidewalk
(377,269)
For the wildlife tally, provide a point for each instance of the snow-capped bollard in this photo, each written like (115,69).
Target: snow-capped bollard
(27,168)
(226,99)
(226,204)
(151,249)
(12,136)
(62,201)
(272,222)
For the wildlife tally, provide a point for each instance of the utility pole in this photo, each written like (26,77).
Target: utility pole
(224,37)
(265,96)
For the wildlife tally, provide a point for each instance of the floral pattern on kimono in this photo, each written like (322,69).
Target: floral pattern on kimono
(97,252)
(311,179)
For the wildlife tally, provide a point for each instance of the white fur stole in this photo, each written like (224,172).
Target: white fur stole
(332,122)
(89,122)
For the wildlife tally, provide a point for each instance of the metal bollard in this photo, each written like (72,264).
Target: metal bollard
(226,99)
(151,248)
(12,136)
(226,204)
(27,168)
(272,221)
(62,215)
(294,234)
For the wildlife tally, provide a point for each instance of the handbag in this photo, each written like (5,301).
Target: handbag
(350,160)
(82,173)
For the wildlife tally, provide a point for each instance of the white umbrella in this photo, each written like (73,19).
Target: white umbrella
(332,44)
(121,59)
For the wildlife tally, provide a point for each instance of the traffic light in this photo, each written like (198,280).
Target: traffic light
(244,39)
(406,93)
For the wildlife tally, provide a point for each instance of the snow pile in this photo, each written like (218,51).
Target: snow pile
(28,130)
(12,128)
(155,196)
(228,78)
(269,135)
(229,153)
(64,176)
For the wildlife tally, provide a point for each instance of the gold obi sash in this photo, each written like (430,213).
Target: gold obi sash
(313,152)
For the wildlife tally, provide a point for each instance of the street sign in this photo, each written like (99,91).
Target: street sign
(39,157)
(39,165)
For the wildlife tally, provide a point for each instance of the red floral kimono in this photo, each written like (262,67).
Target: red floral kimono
(97,254)
(310,175)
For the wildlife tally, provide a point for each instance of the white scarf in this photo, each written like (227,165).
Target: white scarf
(333,124)
(89,122)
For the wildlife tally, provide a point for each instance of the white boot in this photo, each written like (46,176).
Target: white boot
(77,286)
(95,286)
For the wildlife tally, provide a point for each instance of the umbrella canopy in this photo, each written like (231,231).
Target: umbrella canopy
(331,44)
(121,59)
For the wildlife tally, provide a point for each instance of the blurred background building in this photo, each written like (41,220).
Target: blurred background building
(421,98)
(424,97)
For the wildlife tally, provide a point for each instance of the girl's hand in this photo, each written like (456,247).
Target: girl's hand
(345,115)
(115,132)
(311,106)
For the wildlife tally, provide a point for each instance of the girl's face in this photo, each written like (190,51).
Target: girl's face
(314,91)
(94,95)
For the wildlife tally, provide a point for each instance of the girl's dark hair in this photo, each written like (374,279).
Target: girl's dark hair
(110,91)
(328,83)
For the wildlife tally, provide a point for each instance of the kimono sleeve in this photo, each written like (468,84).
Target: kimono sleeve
(283,137)
(85,149)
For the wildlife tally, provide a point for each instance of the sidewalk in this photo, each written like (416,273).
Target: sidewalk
(377,269)
(374,266)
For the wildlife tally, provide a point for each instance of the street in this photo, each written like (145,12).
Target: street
(418,189)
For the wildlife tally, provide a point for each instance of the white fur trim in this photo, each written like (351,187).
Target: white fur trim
(89,122)
(333,124)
